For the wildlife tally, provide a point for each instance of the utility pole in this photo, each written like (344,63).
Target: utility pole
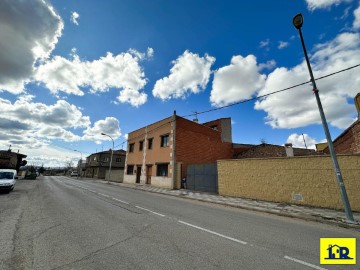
(298,22)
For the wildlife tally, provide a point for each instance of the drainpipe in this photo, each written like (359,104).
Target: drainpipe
(174,152)
(143,167)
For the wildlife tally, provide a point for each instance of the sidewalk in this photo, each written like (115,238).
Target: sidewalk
(323,215)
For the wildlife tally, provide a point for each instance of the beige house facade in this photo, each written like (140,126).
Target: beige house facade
(159,153)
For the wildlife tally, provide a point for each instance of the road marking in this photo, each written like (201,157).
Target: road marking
(215,233)
(304,263)
(161,215)
(119,200)
(102,194)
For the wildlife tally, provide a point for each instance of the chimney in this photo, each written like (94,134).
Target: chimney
(196,120)
(289,150)
(357,104)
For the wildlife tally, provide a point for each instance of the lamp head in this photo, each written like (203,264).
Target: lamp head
(298,21)
(103,133)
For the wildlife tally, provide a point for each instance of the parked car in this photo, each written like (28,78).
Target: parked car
(74,174)
(31,176)
(7,179)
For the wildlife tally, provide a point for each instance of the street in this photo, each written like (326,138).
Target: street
(62,223)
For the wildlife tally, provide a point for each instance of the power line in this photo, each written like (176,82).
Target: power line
(244,101)
(271,93)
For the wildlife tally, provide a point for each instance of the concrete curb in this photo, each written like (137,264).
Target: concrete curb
(306,217)
(262,210)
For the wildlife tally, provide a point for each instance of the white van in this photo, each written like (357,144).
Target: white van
(7,179)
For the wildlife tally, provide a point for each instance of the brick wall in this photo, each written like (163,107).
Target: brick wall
(196,144)
(223,125)
(349,141)
(278,179)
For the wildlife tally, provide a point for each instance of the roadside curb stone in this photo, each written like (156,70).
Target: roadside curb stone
(327,216)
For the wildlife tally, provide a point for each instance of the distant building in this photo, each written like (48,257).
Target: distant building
(158,154)
(265,150)
(11,160)
(81,167)
(97,165)
(320,147)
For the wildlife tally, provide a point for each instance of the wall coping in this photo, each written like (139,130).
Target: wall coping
(310,156)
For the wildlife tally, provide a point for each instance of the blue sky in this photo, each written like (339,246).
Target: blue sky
(73,69)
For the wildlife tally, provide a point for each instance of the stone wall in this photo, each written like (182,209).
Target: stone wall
(116,175)
(298,180)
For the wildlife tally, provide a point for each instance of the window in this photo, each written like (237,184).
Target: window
(162,169)
(6,175)
(141,145)
(131,147)
(150,142)
(94,158)
(106,159)
(164,140)
(215,127)
(130,169)
(118,159)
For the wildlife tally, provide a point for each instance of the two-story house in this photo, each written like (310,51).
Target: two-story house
(98,165)
(11,160)
(159,153)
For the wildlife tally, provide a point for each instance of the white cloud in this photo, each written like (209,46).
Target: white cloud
(28,125)
(35,28)
(298,108)
(33,127)
(283,44)
(61,114)
(74,17)
(121,71)
(318,4)
(356,24)
(48,155)
(109,126)
(150,52)
(189,74)
(297,141)
(268,65)
(237,81)
(49,132)
(345,13)
(264,43)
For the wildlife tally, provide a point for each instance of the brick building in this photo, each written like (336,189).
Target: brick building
(159,153)
(97,165)
(348,142)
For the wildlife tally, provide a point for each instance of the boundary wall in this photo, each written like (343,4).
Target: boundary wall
(297,180)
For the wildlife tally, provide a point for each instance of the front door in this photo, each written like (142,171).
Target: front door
(138,174)
(148,174)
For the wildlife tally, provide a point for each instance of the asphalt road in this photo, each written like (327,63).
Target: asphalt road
(63,223)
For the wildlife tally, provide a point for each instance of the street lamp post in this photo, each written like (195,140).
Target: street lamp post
(80,162)
(112,152)
(298,22)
